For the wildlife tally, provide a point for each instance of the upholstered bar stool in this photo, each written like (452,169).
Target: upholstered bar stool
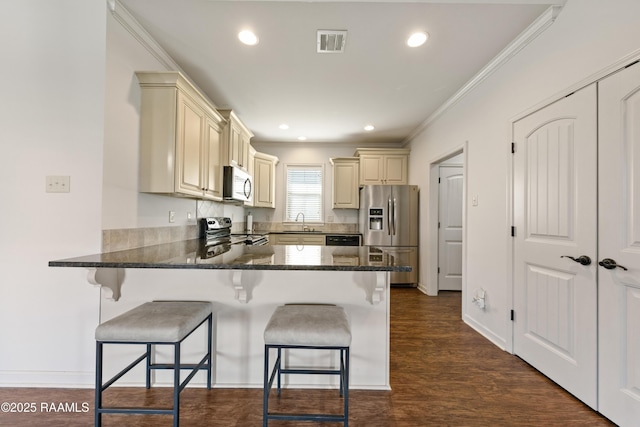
(151,324)
(306,326)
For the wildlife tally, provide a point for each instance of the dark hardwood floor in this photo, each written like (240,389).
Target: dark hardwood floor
(442,373)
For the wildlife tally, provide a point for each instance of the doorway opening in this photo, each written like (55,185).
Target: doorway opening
(446,220)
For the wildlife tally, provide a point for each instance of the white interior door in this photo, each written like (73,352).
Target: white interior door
(619,240)
(555,202)
(450,231)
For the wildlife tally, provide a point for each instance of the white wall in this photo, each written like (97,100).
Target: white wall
(51,123)
(588,36)
(123,206)
(131,49)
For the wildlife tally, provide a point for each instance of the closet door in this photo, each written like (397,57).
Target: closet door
(555,215)
(619,241)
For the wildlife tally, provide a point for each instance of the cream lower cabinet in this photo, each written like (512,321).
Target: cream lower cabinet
(264,180)
(383,166)
(346,191)
(179,138)
(297,239)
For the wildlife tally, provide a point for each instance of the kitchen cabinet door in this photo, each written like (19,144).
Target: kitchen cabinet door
(236,141)
(371,170)
(213,167)
(190,147)
(395,169)
(264,180)
(346,191)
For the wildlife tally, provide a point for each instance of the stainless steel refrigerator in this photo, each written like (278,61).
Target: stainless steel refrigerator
(389,223)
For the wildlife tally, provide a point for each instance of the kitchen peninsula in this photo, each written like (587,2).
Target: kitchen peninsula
(246,284)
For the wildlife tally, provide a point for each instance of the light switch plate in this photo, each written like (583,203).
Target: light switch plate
(58,184)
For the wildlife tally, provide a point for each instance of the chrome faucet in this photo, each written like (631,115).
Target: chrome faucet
(304,227)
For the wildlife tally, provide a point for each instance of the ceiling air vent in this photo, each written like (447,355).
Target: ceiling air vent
(331,41)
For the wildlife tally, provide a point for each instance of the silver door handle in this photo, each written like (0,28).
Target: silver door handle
(389,207)
(395,224)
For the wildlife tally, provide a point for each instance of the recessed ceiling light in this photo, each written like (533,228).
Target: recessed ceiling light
(284,126)
(302,138)
(247,37)
(369,127)
(417,39)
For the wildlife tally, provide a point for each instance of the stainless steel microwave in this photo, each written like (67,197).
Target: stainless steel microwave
(237,184)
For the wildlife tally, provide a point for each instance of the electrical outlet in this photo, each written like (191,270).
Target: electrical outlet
(172,216)
(58,184)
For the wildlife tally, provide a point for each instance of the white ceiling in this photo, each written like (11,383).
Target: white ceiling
(330,97)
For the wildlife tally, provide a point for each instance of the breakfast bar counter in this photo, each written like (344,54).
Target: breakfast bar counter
(245,285)
(195,254)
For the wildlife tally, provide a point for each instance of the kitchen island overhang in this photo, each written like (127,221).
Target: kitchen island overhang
(246,284)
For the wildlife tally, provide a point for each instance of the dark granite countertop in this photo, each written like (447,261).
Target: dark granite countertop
(194,254)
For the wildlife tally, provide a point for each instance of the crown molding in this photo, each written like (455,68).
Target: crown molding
(122,15)
(536,28)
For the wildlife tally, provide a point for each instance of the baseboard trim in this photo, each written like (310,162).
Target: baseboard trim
(498,341)
(47,379)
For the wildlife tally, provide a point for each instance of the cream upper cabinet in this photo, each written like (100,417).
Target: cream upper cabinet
(264,180)
(346,191)
(251,153)
(383,166)
(179,138)
(236,141)
(213,175)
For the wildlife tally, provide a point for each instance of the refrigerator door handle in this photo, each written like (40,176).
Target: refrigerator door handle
(395,225)
(389,214)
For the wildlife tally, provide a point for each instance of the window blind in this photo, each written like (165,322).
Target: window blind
(304,192)
(303,255)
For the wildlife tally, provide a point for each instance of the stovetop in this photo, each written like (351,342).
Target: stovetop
(250,239)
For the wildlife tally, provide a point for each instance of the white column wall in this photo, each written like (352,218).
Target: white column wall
(587,36)
(51,123)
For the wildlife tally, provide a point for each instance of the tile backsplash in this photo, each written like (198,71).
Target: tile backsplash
(129,238)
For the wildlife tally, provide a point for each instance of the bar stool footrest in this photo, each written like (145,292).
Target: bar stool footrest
(307,417)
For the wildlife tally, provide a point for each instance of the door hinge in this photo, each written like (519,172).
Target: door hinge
(438,224)
(438,180)
(438,270)
(513,231)
(513,147)
(513,315)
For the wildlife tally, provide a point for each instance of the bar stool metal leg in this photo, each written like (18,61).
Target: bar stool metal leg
(148,383)
(98,401)
(176,385)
